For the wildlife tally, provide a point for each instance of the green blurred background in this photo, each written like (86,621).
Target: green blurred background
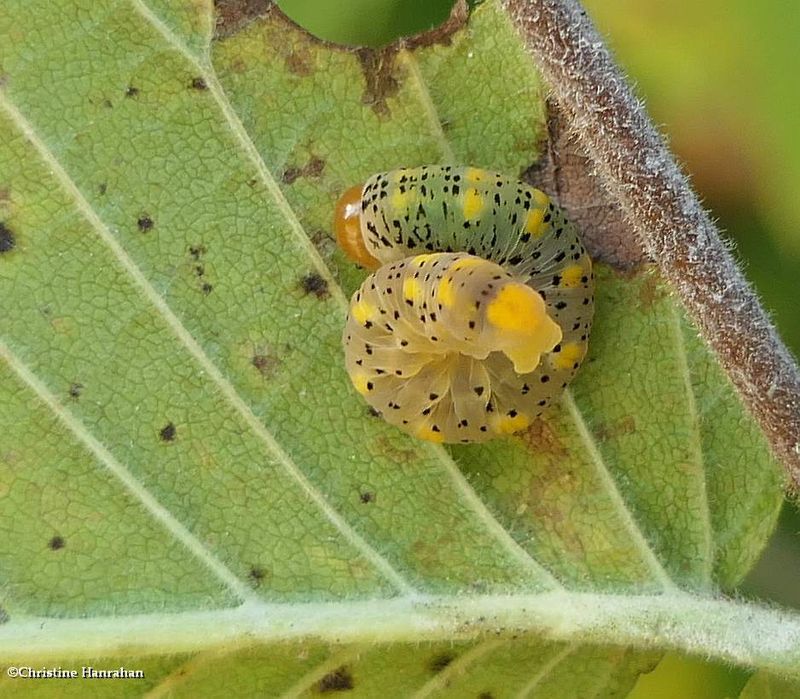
(721,79)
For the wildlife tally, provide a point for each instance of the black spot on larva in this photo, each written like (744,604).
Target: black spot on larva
(56,543)
(264,364)
(131,91)
(198,84)
(145,223)
(313,283)
(366,497)
(75,390)
(340,680)
(439,662)
(256,575)
(168,432)
(7,239)
(478,390)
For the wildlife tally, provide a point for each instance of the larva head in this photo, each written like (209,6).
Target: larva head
(347,224)
(486,310)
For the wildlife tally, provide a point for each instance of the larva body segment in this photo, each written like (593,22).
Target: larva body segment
(404,344)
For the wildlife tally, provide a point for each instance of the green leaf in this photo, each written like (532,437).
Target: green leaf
(187,478)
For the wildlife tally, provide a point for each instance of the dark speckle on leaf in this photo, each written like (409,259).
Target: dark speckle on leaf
(313,283)
(207,288)
(56,543)
(3,616)
(367,497)
(75,390)
(7,239)
(168,432)
(198,84)
(145,223)
(486,695)
(131,91)
(340,680)
(197,251)
(264,363)
(102,188)
(256,575)
(440,662)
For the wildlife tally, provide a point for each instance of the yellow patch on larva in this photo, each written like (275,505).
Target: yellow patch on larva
(360,382)
(505,424)
(540,198)
(533,224)
(363,311)
(428,434)
(570,353)
(420,260)
(413,290)
(515,308)
(473,204)
(445,294)
(474,175)
(401,201)
(571,276)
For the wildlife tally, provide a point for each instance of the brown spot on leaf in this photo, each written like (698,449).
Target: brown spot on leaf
(145,223)
(340,680)
(168,432)
(264,364)
(379,68)
(542,438)
(604,431)
(650,291)
(443,34)
(439,662)
(234,15)
(313,283)
(565,172)
(298,63)
(75,390)
(7,239)
(313,168)
(56,543)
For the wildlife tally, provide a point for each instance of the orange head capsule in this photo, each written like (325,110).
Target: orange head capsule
(347,224)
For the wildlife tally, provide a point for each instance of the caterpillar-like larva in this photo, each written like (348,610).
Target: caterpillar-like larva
(479,311)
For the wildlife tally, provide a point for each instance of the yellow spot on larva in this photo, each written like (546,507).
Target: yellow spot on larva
(540,198)
(401,201)
(413,290)
(505,424)
(571,276)
(473,204)
(445,293)
(428,434)
(360,383)
(516,307)
(533,224)
(474,174)
(570,353)
(420,260)
(363,311)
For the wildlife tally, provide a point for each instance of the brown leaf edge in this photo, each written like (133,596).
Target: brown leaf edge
(638,171)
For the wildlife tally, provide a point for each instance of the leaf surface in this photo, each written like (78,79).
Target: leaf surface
(184,467)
